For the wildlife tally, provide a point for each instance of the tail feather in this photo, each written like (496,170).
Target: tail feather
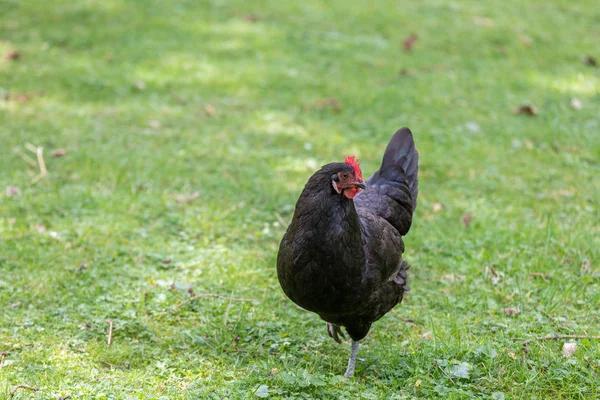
(401,152)
(393,189)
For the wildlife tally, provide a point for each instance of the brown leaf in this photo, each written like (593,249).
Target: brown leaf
(586,265)
(13,55)
(527,41)
(591,61)
(576,104)
(526,110)
(251,18)
(540,275)
(409,42)
(452,278)
(483,21)
(437,207)
(59,153)
(22,97)
(154,124)
(512,311)
(13,191)
(186,197)
(497,276)
(273,372)
(15,305)
(209,110)
(330,102)
(466,220)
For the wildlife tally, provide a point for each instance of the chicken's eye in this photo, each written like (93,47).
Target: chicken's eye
(344,176)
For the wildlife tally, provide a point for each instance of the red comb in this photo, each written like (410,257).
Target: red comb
(351,161)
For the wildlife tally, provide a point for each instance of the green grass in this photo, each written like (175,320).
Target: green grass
(218,104)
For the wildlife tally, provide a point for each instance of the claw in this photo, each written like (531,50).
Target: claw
(335,332)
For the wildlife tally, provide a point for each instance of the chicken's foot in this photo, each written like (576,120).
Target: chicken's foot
(335,332)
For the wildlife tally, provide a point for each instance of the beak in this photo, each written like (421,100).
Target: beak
(361,184)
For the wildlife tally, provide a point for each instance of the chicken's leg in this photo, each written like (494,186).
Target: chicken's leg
(352,360)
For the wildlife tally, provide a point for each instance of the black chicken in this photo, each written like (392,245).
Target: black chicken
(341,256)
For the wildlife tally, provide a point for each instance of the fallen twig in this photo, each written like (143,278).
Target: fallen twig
(204,295)
(12,393)
(444,372)
(274,353)
(39,152)
(280,219)
(215,295)
(555,337)
(110,331)
(409,320)
(552,320)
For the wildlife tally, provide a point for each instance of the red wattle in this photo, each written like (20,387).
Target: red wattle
(351,192)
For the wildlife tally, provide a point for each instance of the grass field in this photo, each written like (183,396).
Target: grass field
(187,131)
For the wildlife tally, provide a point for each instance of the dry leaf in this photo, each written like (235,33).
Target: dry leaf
(466,220)
(409,42)
(452,277)
(320,104)
(497,276)
(512,311)
(12,55)
(15,305)
(540,275)
(22,97)
(252,18)
(59,153)
(437,207)
(526,110)
(576,104)
(140,85)
(12,191)
(209,110)
(404,72)
(427,335)
(569,349)
(591,61)
(527,41)
(273,372)
(483,21)
(586,265)
(186,197)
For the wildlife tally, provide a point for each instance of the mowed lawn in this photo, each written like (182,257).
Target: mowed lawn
(177,137)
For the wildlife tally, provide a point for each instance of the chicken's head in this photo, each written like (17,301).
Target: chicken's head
(347,179)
